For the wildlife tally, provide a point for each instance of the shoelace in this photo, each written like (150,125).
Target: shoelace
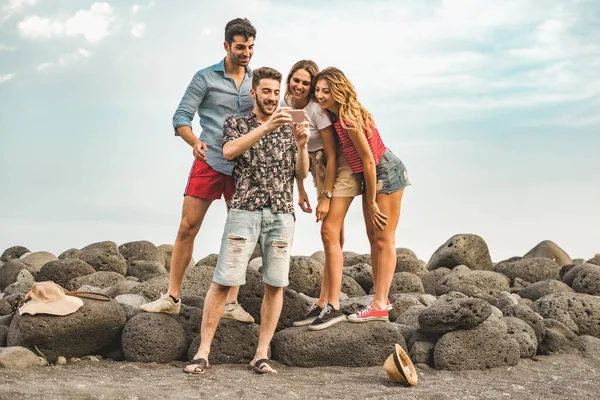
(364,311)
(325,311)
(313,307)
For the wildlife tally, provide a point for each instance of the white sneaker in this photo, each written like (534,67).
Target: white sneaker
(164,304)
(235,311)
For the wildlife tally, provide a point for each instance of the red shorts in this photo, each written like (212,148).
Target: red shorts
(206,183)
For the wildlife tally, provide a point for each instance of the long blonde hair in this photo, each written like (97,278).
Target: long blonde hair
(352,114)
(312,69)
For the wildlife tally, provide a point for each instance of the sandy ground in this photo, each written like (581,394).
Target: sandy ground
(551,377)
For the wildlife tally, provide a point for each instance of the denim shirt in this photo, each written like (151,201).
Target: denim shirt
(214,96)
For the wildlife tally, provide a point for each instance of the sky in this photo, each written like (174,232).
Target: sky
(494,107)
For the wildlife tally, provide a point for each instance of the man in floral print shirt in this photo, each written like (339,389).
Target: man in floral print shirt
(268,153)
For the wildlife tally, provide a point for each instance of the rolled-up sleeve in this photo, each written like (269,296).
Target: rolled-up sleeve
(188,106)
(230,129)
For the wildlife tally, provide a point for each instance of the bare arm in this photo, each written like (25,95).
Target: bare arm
(301,135)
(329,145)
(303,200)
(198,146)
(235,147)
(370,175)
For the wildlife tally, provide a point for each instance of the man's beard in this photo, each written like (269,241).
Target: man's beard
(236,60)
(261,106)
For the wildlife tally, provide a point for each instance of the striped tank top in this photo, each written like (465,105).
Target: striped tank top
(349,151)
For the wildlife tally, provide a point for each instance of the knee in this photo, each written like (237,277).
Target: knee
(383,242)
(330,235)
(273,291)
(187,229)
(219,289)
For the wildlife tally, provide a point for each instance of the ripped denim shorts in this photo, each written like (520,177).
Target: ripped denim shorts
(391,174)
(243,230)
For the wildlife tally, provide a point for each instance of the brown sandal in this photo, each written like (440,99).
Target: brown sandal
(259,366)
(201,366)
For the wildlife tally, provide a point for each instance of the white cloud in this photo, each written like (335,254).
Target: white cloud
(7,77)
(14,6)
(35,27)
(135,8)
(137,29)
(93,24)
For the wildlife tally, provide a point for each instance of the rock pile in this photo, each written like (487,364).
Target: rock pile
(458,311)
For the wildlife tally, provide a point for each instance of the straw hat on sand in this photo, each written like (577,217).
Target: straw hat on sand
(399,368)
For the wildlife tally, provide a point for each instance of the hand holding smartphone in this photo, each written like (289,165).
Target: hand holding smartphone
(297,115)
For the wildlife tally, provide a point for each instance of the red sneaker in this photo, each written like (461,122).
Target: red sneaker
(369,314)
(388,305)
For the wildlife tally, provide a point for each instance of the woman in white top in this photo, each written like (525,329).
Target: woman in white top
(336,187)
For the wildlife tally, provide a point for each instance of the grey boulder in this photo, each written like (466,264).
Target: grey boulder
(549,249)
(588,281)
(361,345)
(234,343)
(486,285)
(14,252)
(530,269)
(406,282)
(351,287)
(407,263)
(530,317)
(486,346)
(431,279)
(454,311)
(305,275)
(362,273)
(558,338)
(86,331)
(145,269)
(540,289)
(141,250)
(101,279)
(578,309)
(17,357)
(62,271)
(9,272)
(466,249)
(104,256)
(523,334)
(153,337)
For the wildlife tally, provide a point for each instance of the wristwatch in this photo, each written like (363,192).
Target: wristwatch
(327,194)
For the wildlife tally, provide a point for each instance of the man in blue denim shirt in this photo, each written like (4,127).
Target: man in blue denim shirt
(215,93)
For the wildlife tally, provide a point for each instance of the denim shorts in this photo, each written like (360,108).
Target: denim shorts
(391,174)
(243,229)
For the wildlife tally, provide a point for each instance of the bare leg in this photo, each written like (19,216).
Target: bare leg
(193,212)
(269,316)
(232,295)
(332,243)
(214,304)
(371,236)
(385,240)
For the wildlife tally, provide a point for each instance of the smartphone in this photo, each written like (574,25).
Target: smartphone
(297,115)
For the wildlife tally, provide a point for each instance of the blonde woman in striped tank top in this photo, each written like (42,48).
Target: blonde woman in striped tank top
(384,175)
(336,187)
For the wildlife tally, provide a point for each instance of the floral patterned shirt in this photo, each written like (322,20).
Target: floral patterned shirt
(264,174)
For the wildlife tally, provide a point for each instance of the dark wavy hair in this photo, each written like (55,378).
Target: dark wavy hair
(239,26)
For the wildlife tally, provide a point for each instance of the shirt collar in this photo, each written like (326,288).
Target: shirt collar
(221,68)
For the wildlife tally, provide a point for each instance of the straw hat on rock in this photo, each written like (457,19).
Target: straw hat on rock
(49,298)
